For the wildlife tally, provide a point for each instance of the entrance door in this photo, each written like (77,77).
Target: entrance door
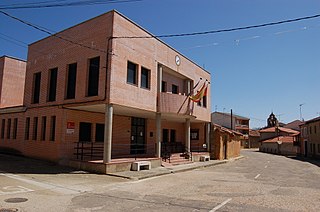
(306,148)
(138,138)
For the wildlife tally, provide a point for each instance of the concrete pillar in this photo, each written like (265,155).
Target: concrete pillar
(208,127)
(158,135)
(107,133)
(188,135)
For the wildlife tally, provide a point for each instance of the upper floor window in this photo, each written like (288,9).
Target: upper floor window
(71,81)
(93,78)
(132,73)
(52,84)
(3,125)
(145,78)
(164,86)
(36,87)
(175,89)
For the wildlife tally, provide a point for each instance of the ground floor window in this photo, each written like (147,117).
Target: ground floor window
(99,132)
(85,132)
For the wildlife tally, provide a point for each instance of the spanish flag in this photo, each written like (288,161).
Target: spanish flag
(200,94)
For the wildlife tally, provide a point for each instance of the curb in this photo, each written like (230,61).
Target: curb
(174,170)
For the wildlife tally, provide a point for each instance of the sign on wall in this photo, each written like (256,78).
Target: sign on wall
(70,127)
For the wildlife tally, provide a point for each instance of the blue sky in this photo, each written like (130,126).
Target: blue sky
(253,71)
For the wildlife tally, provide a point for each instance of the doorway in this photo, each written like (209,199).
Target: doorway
(138,138)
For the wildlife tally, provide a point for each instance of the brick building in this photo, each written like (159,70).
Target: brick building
(99,89)
(310,138)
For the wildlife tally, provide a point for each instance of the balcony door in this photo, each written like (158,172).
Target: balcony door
(138,138)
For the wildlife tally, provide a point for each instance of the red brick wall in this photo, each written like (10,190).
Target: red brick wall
(12,81)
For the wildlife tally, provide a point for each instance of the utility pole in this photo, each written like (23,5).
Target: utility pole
(231,121)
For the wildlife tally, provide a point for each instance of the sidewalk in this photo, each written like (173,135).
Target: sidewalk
(143,174)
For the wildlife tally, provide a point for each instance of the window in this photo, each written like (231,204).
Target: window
(165,135)
(35,128)
(27,129)
(52,128)
(93,79)
(318,148)
(194,134)
(3,125)
(85,132)
(52,84)
(15,128)
(172,135)
(175,89)
(43,128)
(71,81)
(36,87)
(9,129)
(99,132)
(315,129)
(132,73)
(164,86)
(310,130)
(145,78)
(204,101)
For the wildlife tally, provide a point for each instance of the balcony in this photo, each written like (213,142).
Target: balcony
(171,103)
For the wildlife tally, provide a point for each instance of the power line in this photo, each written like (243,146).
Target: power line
(51,34)
(50,4)
(227,30)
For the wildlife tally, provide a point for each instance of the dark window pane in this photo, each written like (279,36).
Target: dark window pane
(85,132)
(35,128)
(93,81)
(52,128)
(99,132)
(36,87)
(3,125)
(27,129)
(175,89)
(145,78)
(43,128)
(9,129)
(71,81)
(164,86)
(15,128)
(53,84)
(132,73)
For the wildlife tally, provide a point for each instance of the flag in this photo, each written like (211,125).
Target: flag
(200,94)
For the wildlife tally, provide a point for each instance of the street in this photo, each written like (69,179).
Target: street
(258,182)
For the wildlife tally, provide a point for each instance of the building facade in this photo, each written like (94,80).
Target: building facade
(109,86)
(310,138)
(234,122)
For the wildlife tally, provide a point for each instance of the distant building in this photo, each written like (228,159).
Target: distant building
(310,138)
(234,122)
(254,138)
(294,125)
(279,140)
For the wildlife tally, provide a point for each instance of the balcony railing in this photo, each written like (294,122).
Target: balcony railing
(171,103)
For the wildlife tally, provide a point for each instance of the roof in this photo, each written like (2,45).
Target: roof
(282,129)
(254,133)
(223,129)
(294,125)
(282,139)
(313,120)
(234,115)
(14,58)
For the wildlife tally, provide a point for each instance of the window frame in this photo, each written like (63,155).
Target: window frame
(36,88)
(71,87)
(147,78)
(134,80)
(93,77)
(52,85)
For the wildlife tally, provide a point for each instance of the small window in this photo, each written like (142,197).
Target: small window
(132,73)
(15,128)
(27,129)
(36,87)
(204,101)
(93,78)
(315,129)
(145,78)
(164,86)
(3,125)
(35,128)
(52,128)
(52,84)
(99,132)
(175,89)
(43,128)
(194,134)
(71,81)
(9,129)
(85,132)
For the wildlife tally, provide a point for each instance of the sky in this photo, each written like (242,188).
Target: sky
(253,72)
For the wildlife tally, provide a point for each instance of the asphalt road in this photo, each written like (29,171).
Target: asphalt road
(258,182)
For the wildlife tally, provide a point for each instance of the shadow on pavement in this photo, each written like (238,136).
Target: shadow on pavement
(23,165)
(308,160)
